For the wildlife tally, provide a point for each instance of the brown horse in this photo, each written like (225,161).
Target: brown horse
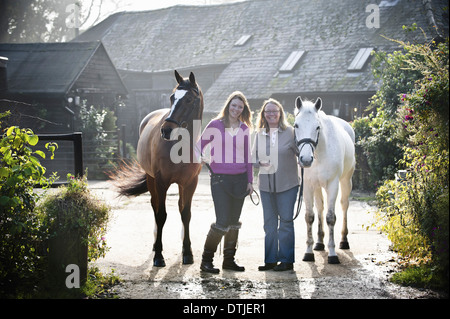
(157,170)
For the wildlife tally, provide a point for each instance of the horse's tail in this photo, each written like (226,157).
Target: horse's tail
(129,179)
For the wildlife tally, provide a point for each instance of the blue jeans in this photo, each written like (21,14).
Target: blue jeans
(280,236)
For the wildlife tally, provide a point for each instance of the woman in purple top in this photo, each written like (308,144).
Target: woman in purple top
(228,136)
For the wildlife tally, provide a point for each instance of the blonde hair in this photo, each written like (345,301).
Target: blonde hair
(262,122)
(246,115)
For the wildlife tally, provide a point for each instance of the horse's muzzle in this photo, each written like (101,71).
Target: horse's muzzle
(166,131)
(305,161)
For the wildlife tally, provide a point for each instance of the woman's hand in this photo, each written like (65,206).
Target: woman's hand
(204,160)
(250,188)
(265,164)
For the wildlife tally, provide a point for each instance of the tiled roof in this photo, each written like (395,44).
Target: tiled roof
(50,68)
(43,67)
(331,32)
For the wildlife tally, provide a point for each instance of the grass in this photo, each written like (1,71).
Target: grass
(100,286)
(422,276)
(366,197)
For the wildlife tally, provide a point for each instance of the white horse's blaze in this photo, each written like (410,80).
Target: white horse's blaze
(329,164)
(179,94)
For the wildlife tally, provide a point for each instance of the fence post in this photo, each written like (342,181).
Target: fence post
(78,153)
(124,143)
(77,140)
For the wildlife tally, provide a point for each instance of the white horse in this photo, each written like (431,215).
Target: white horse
(327,155)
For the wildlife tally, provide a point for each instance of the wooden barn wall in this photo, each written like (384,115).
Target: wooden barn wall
(100,74)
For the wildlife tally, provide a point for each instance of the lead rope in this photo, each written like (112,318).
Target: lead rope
(272,193)
(299,199)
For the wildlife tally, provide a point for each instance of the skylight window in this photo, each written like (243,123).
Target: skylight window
(292,61)
(388,3)
(360,59)
(242,40)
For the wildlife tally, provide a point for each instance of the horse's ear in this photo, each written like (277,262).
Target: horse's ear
(178,77)
(192,79)
(298,102)
(318,104)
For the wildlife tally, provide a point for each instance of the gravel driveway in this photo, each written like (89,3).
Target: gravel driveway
(362,274)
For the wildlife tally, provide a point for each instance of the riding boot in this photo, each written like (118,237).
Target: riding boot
(283,267)
(229,249)
(212,241)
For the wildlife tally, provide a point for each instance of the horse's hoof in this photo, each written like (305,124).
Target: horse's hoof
(319,247)
(308,257)
(333,260)
(159,262)
(344,245)
(188,260)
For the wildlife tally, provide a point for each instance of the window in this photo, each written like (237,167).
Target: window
(360,59)
(388,3)
(242,40)
(292,61)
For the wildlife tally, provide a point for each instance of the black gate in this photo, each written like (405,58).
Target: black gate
(75,154)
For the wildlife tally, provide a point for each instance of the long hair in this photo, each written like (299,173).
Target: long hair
(246,115)
(261,120)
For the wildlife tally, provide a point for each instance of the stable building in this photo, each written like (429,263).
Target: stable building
(44,84)
(264,48)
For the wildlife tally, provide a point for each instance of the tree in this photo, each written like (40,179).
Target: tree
(391,70)
(32,20)
(48,20)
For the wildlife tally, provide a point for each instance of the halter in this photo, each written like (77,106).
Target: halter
(184,124)
(308,141)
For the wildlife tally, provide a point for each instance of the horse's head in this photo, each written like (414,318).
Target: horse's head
(307,130)
(186,105)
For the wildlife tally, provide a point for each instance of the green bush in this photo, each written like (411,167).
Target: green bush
(73,207)
(395,76)
(398,223)
(416,211)
(377,148)
(99,148)
(75,218)
(28,219)
(21,230)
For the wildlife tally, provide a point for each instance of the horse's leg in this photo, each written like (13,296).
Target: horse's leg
(308,198)
(158,192)
(346,188)
(332,190)
(184,205)
(318,200)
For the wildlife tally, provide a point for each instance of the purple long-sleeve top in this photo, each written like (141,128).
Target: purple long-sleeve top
(230,151)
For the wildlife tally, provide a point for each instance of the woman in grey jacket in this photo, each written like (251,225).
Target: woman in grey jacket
(275,154)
